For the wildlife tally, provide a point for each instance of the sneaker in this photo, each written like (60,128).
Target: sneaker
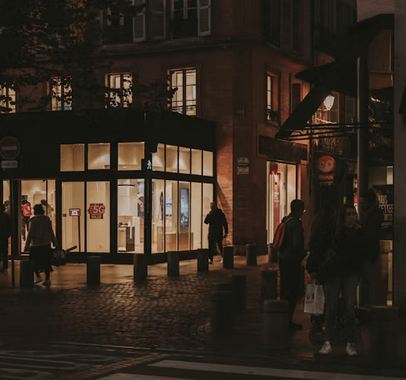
(221,260)
(37,279)
(326,349)
(350,350)
(47,282)
(210,261)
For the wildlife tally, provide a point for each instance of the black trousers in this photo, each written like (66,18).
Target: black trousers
(4,252)
(213,244)
(290,277)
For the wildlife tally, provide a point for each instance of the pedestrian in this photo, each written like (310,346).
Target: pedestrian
(5,233)
(290,256)
(343,277)
(39,238)
(217,224)
(371,224)
(322,235)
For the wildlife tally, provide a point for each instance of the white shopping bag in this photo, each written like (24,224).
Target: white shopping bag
(314,299)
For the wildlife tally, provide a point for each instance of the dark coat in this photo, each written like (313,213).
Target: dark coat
(5,226)
(216,221)
(292,248)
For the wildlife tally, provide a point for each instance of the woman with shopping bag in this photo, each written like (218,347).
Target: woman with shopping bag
(340,267)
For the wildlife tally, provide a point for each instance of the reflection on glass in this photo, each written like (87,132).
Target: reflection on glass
(130,156)
(72,157)
(195,216)
(207,198)
(6,196)
(171,158)
(158,159)
(184,160)
(184,216)
(130,211)
(99,156)
(157,215)
(73,216)
(208,163)
(98,216)
(171,216)
(196,161)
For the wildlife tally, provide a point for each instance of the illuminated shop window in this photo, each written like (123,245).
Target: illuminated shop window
(130,156)
(207,198)
(7,100)
(120,90)
(61,94)
(158,189)
(196,215)
(196,161)
(184,160)
(130,212)
(72,157)
(158,158)
(171,158)
(99,156)
(184,99)
(208,163)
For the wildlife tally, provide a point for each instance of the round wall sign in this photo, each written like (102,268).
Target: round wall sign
(9,148)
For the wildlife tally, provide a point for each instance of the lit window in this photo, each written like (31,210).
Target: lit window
(184,99)
(98,156)
(120,90)
(7,100)
(61,94)
(72,157)
(272,113)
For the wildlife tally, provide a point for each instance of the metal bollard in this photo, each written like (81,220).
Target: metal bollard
(173,264)
(276,324)
(140,267)
(269,285)
(251,254)
(202,260)
(239,286)
(221,313)
(26,274)
(228,257)
(93,270)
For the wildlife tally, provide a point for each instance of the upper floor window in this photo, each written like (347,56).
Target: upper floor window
(120,90)
(7,100)
(184,99)
(272,106)
(61,94)
(150,20)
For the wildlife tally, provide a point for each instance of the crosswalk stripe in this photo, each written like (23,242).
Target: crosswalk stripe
(258,371)
(131,376)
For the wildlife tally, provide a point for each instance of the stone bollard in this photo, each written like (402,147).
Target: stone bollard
(251,254)
(93,270)
(140,267)
(173,264)
(272,254)
(239,286)
(221,313)
(276,324)
(26,274)
(269,285)
(202,260)
(228,257)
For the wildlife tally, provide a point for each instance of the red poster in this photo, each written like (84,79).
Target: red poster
(96,210)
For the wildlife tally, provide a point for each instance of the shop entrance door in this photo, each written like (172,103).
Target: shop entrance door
(38,191)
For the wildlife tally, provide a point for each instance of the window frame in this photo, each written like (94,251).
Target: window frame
(124,100)
(184,106)
(8,99)
(272,87)
(61,104)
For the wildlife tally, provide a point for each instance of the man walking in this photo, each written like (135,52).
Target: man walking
(216,221)
(290,256)
(5,232)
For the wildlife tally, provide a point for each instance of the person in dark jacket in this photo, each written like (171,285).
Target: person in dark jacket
(371,224)
(217,222)
(343,278)
(5,232)
(290,256)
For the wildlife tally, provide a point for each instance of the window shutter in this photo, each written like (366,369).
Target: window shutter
(158,18)
(204,17)
(139,22)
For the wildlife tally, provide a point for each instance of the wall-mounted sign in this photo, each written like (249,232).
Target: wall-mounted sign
(385,198)
(9,148)
(96,210)
(74,212)
(9,164)
(326,167)
(146,164)
(243,170)
(243,161)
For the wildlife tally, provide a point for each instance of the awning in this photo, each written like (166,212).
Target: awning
(340,75)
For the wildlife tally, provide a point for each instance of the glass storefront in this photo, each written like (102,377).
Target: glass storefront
(281,191)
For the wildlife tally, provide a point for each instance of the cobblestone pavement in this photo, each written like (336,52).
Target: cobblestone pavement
(162,312)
